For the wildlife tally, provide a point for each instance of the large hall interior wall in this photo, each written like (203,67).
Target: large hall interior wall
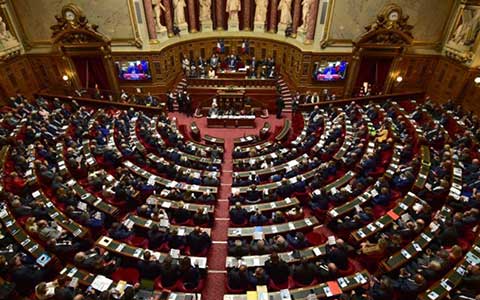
(296,65)
(17,76)
(112,16)
(453,81)
(351,16)
(416,70)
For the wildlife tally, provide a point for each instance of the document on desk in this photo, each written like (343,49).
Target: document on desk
(101,283)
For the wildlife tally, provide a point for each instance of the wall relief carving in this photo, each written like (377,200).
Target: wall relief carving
(463,38)
(390,28)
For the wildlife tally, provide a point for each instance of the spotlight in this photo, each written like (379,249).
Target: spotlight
(477,80)
(65,78)
(399,79)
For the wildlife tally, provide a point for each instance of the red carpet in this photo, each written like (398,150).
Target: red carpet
(216,280)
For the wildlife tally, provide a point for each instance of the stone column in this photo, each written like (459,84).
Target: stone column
(297,14)
(247,14)
(152,32)
(273,16)
(220,14)
(192,18)
(312,23)
(168,17)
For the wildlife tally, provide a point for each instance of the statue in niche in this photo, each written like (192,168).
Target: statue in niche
(261,11)
(205,6)
(467,29)
(306,10)
(7,40)
(159,9)
(232,8)
(179,8)
(285,8)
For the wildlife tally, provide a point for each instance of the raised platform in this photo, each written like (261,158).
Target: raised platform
(231,122)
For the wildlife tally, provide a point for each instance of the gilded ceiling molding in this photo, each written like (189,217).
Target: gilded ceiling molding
(390,28)
(73,28)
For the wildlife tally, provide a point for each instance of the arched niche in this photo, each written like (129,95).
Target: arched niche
(87,52)
(379,50)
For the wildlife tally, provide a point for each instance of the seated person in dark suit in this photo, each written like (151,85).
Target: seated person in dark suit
(338,256)
(176,241)
(277,269)
(238,248)
(149,267)
(303,272)
(190,276)
(119,232)
(198,241)
(238,215)
(63,291)
(257,219)
(25,276)
(156,237)
(181,215)
(169,272)
(253,196)
(238,278)
(297,240)
(259,277)
(259,247)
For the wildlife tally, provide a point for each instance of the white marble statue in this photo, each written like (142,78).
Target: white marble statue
(285,8)
(179,8)
(306,10)
(7,40)
(205,6)
(261,11)
(466,32)
(159,9)
(232,8)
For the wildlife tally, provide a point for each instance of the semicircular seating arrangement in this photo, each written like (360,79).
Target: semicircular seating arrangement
(346,201)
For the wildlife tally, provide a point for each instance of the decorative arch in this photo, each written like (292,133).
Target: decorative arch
(390,29)
(73,37)
(387,38)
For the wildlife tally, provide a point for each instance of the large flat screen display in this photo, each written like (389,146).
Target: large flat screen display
(330,71)
(133,70)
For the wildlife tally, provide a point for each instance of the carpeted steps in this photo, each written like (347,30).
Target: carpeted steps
(286,94)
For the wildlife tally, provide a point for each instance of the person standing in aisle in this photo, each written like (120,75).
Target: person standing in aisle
(280,105)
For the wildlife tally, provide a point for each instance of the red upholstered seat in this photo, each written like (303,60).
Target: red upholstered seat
(197,289)
(277,287)
(130,275)
(157,285)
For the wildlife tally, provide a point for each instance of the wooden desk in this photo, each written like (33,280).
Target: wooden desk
(86,278)
(167,182)
(247,121)
(252,261)
(134,220)
(20,235)
(283,135)
(265,207)
(376,226)
(214,140)
(274,229)
(124,249)
(418,245)
(171,204)
(453,278)
(346,284)
(245,140)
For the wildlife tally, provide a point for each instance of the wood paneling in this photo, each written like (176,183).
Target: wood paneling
(416,71)
(448,80)
(48,69)
(17,76)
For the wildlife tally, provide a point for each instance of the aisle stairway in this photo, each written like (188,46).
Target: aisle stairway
(286,94)
(215,285)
